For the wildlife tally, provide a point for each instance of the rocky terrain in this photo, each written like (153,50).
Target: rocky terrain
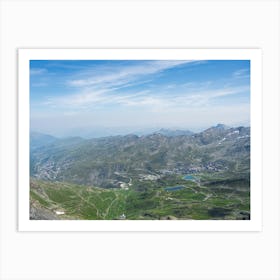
(137,169)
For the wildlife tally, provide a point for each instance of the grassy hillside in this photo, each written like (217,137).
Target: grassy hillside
(199,176)
(208,198)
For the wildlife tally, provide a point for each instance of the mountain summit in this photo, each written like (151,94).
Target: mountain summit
(173,132)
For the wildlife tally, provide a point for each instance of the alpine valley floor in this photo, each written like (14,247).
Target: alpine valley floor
(160,176)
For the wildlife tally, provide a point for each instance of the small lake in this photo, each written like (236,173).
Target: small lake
(189,177)
(174,188)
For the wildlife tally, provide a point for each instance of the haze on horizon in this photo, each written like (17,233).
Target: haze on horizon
(103,97)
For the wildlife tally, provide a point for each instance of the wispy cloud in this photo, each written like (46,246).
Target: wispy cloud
(197,99)
(241,73)
(144,92)
(123,75)
(38,71)
(144,98)
(103,86)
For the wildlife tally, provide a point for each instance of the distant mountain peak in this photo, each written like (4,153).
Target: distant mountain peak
(38,139)
(221,126)
(173,132)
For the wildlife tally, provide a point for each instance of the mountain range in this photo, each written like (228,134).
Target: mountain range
(95,161)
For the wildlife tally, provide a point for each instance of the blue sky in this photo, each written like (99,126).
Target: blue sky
(102,97)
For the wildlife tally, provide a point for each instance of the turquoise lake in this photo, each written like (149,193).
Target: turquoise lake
(174,188)
(189,177)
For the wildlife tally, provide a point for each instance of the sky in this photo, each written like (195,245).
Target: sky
(92,98)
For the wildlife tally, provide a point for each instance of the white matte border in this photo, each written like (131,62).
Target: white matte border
(254,55)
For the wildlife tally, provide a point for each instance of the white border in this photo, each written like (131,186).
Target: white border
(254,55)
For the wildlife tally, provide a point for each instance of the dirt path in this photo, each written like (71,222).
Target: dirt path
(108,209)
(86,201)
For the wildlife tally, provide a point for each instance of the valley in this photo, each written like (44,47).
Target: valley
(159,176)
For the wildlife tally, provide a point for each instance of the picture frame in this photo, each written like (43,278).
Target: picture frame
(27,55)
(105,255)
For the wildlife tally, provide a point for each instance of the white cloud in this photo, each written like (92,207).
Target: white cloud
(37,71)
(80,99)
(125,74)
(117,96)
(241,73)
(175,101)
(145,99)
